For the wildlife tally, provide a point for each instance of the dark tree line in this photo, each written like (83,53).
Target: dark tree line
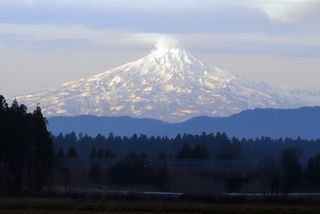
(224,147)
(295,175)
(204,146)
(26,149)
(102,154)
(193,146)
(137,169)
(290,164)
(199,151)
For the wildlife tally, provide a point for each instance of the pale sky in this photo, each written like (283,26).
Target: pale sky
(44,43)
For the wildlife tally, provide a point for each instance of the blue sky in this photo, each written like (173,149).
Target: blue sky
(46,42)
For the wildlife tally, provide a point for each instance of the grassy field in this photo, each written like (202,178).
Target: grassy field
(72,206)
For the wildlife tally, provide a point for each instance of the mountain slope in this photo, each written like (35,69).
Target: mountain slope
(303,122)
(168,85)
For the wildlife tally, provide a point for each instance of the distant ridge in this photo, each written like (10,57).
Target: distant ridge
(302,122)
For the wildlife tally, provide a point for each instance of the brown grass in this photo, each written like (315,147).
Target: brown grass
(61,206)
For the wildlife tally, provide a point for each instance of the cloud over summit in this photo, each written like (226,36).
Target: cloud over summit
(232,28)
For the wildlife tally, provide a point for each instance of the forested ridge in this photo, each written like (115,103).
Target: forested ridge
(211,145)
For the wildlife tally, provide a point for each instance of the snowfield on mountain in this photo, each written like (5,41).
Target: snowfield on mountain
(170,85)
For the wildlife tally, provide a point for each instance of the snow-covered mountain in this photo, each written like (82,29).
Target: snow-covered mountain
(168,84)
(309,96)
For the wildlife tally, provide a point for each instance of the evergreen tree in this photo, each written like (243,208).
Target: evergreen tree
(71,138)
(184,152)
(312,172)
(100,154)
(292,172)
(109,154)
(96,172)
(93,154)
(26,149)
(72,153)
(162,156)
(136,169)
(228,150)
(61,153)
(43,149)
(198,152)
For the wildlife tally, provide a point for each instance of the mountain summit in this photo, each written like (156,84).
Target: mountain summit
(169,84)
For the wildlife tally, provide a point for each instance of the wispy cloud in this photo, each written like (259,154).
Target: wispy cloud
(276,10)
(290,11)
(96,38)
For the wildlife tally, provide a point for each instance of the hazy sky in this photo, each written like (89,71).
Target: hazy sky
(44,43)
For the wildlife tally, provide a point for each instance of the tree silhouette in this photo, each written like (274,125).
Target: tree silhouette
(198,152)
(26,150)
(228,150)
(42,148)
(136,169)
(93,154)
(184,152)
(292,172)
(61,154)
(72,153)
(96,172)
(100,154)
(109,154)
(312,172)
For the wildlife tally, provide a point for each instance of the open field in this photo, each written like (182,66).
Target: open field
(75,206)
